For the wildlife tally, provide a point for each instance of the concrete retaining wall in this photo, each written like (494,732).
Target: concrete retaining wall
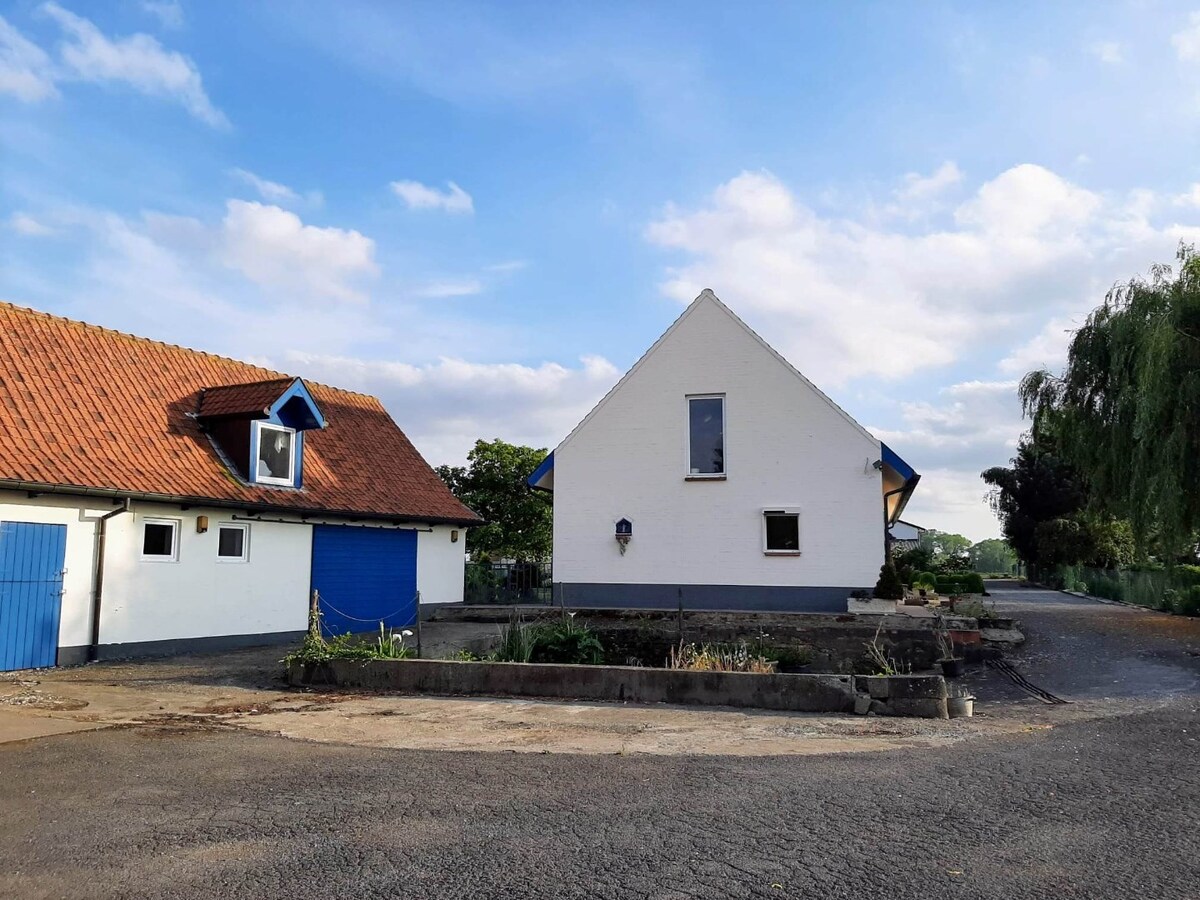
(914,695)
(799,693)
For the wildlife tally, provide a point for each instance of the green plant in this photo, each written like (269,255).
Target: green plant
(1169,601)
(465,655)
(718,658)
(390,644)
(888,587)
(974,583)
(926,580)
(881,660)
(567,642)
(516,641)
(942,635)
(1188,603)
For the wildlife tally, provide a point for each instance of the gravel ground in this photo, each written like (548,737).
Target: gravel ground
(1102,805)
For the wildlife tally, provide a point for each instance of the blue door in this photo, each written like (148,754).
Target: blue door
(364,576)
(31,578)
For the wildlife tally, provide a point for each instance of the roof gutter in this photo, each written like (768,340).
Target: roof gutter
(98,576)
(72,490)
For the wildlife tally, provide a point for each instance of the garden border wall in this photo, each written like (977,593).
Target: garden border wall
(630,684)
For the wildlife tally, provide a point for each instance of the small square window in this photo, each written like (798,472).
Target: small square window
(160,540)
(233,543)
(781,531)
(276,462)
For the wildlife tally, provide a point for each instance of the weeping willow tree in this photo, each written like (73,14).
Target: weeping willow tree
(1126,410)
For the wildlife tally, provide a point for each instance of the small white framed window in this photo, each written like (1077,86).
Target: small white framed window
(781,532)
(160,540)
(233,542)
(276,463)
(706,436)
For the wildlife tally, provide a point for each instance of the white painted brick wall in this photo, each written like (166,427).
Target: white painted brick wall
(785,446)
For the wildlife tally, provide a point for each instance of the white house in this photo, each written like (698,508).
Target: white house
(154,498)
(716,474)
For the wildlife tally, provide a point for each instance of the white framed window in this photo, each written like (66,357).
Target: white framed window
(233,542)
(276,463)
(781,532)
(706,436)
(160,540)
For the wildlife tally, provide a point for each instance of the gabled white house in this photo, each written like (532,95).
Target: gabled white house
(714,472)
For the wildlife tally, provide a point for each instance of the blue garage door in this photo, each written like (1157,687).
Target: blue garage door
(365,576)
(31,578)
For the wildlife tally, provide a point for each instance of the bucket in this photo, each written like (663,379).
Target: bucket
(960,707)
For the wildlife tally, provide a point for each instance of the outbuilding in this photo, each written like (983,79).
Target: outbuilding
(156,499)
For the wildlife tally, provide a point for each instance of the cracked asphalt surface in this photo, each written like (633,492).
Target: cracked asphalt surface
(1097,799)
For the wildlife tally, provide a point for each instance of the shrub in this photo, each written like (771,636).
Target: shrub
(1188,603)
(1169,601)
(925,580)
(557,642)
(888,587)
(974,583)
(315,648)
(567,642)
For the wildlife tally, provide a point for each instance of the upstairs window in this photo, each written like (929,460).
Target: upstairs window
(160,540)
(706,436)
(276,462)
(781,532)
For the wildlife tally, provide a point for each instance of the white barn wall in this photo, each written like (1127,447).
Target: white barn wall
(441,566)
(198,595)
(785,446)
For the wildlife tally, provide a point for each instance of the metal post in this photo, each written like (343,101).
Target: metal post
(419,624)
(680,616)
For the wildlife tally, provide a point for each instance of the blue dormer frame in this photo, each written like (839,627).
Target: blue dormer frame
(295,409)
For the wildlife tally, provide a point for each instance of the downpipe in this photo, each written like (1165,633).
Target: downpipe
(98,576)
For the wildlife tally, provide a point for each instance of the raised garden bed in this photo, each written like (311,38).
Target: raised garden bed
(898,695)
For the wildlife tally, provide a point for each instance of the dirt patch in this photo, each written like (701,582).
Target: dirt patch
(39,700)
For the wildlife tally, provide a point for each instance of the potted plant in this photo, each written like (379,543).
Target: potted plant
(952,666)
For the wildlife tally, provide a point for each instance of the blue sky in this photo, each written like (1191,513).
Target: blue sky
(485,213)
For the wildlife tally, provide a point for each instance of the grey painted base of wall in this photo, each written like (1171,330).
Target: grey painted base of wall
(703,596)
(77,656)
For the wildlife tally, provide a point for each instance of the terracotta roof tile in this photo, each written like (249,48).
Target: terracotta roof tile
(87,407)
(242,399)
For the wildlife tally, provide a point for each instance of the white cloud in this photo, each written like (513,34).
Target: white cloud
(445,406)
(1108,52)
(27,225)
(504,268)
(421,196)
(271,191)
(1186,41)
(25,70)
(847,297)
(273,247)
(921,187)
(168,12)
(138,61)
(1045,350)
(1191,197)
(461,287)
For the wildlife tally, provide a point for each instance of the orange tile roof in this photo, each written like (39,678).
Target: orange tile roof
(88,408)
(241,399)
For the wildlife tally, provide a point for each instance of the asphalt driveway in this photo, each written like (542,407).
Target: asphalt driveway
(1097,798)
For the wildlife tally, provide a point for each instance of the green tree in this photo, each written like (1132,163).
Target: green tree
(518,519)
(1038,486)
(1127,407)
(949,551)
(993,555)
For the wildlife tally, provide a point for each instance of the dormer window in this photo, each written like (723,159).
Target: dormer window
(276,454)
(258,428)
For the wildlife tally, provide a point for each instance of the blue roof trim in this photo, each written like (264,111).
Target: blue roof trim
(891,458)
(544,469)
(299,389)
